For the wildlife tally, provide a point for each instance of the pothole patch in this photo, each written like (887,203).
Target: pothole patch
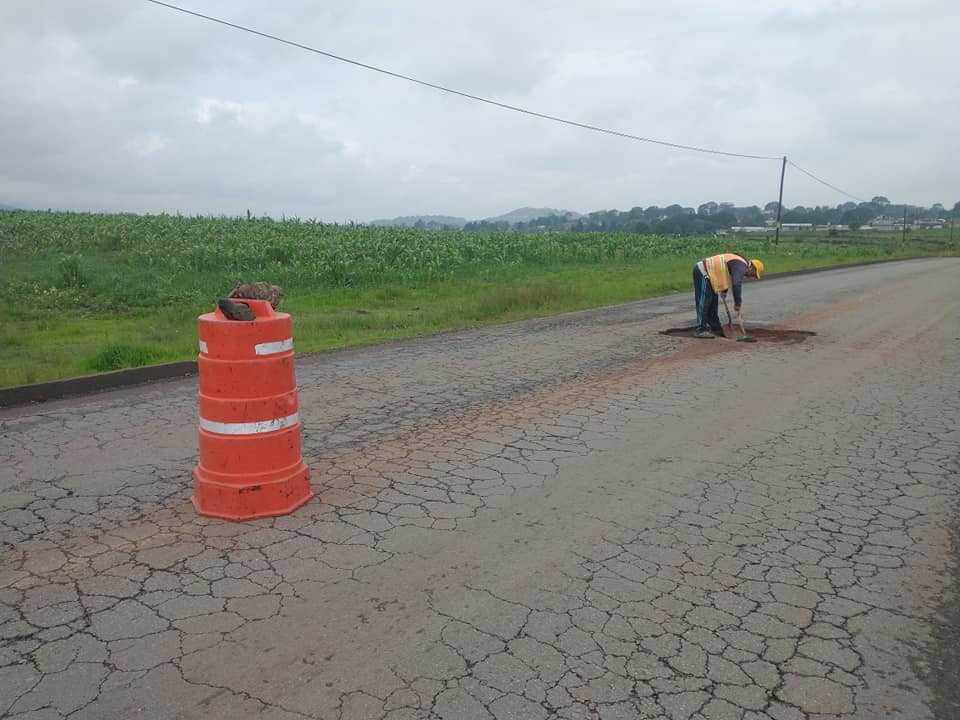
(762,334)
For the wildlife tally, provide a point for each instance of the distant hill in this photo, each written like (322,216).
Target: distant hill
(7,207)
(527,214)
(439,222)
(433,222)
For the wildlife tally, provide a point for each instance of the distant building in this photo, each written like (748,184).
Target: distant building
(882,223)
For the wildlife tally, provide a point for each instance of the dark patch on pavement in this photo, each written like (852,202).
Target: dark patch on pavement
(762,334)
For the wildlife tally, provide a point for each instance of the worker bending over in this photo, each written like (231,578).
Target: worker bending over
(712,277)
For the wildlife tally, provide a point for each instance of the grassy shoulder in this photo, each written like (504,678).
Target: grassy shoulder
(68,339)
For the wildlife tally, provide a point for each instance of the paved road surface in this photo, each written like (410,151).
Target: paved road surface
(576,518)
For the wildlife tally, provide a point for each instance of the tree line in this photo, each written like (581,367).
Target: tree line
(711,217)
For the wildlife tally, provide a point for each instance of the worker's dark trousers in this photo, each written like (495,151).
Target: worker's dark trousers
(706,301)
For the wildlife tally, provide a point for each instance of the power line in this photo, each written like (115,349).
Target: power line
(824,182)
(469,96)
(495,103)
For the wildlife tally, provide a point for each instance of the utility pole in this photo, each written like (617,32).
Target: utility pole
(903,238)
(783,170)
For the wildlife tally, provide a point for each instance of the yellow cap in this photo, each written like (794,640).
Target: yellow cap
(758,265)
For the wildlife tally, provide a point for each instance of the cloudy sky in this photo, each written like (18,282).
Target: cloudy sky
(123,105)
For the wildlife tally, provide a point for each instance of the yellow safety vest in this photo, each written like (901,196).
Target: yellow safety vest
(718,272)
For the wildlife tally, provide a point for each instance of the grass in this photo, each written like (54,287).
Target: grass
(43,346)
(91,293)
(115,356)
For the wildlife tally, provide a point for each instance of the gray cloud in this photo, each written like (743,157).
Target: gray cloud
(121,105)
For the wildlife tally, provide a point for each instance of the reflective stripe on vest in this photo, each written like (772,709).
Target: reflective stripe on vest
(718,272)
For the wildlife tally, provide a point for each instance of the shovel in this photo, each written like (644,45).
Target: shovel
(743,333)
(727,308)
(744,337)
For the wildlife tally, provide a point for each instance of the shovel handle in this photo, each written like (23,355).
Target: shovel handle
(727,308)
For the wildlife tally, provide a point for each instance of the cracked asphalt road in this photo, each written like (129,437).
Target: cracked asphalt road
(575,517)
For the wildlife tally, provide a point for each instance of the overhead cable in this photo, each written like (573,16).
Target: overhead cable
(470,96)
(495,103)
(824,182)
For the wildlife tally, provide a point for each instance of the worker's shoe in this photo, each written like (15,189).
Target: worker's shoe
(718,332)
(705,334)
(235,310)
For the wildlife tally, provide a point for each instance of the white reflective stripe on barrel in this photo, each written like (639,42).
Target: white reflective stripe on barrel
(265,348)
(249,428)
(272,348)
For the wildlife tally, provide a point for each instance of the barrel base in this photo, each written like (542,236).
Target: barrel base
(214,495)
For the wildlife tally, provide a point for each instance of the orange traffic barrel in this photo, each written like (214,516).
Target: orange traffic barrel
(250,461)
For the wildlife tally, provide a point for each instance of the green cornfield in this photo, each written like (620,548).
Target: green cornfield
(140,260)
